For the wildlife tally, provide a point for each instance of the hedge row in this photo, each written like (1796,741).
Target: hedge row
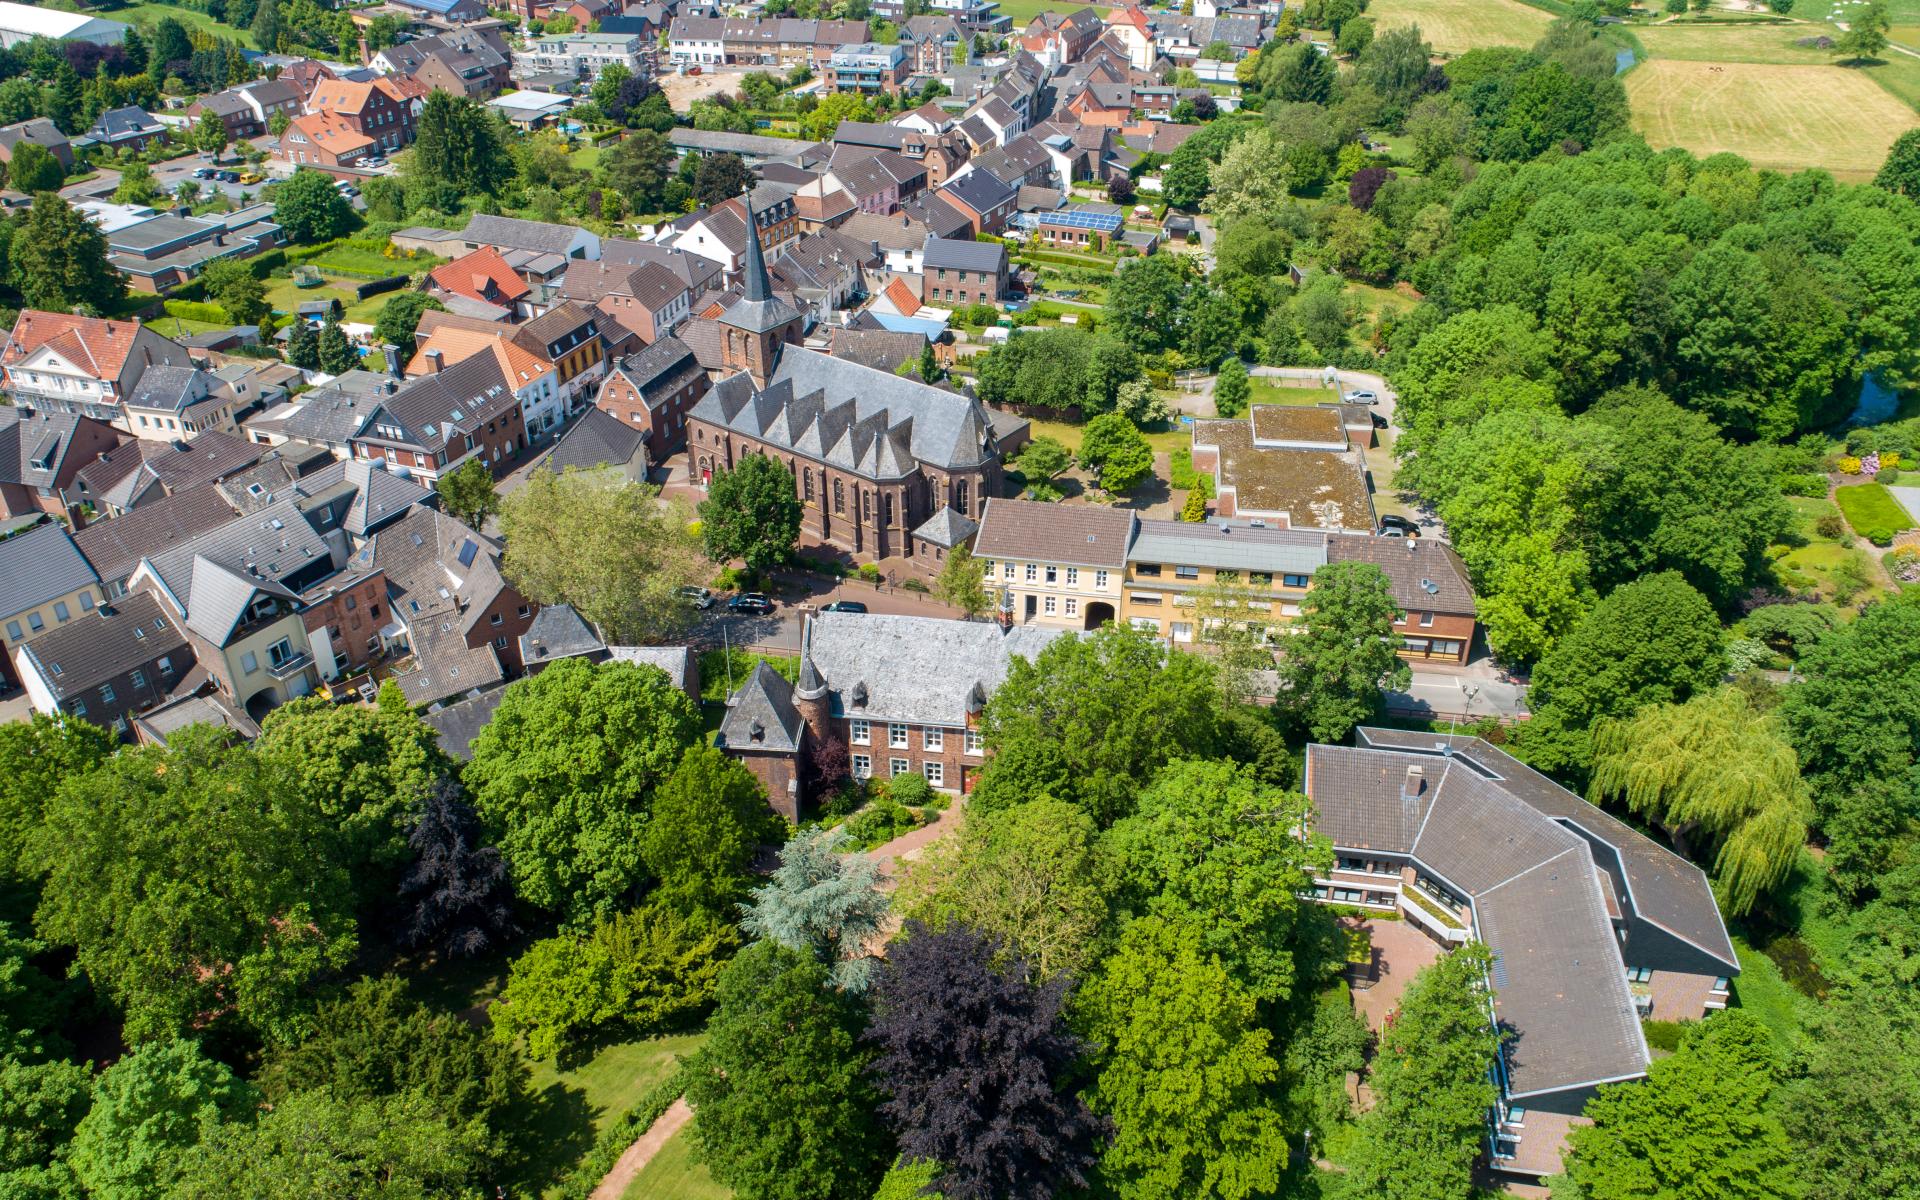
(615,1138)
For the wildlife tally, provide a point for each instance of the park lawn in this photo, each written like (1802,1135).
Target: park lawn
(1266,391)
(175,327)
(150,14)
(1457,26)
(1814,562)
(582,1100)
(585,158)
(673,1175)
(284,297)
(1163,441)
(1023,11)
(1871,506)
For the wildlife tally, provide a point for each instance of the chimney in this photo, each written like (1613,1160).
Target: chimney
(434,358)
(1416,783)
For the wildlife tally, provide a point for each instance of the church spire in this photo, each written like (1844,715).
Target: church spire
(759,287)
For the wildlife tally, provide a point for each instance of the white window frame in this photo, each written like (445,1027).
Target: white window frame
(862,766)
(249,663)
(897,737)
(860,732)
(1049,605)
(933,739)
(935,772)
(898,766)
(1073,606)
(974,742)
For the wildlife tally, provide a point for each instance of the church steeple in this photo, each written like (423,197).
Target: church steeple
(759,287)
(758,323)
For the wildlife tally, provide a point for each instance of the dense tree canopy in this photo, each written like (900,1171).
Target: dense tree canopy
(976,1061)
(149,1111)
(1344,652)
(824,904)
(1698,1128)
(1090,718)
(565,772)
(752,513)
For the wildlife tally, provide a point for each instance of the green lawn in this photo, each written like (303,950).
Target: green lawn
(1164,441)
(673,1175)
(1870,506)
(1023,11)
(577,1103)
(1266,391)
(284,297)
(149,15)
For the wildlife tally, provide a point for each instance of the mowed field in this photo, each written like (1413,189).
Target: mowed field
(150,14)
(1456,26)
(1749,89)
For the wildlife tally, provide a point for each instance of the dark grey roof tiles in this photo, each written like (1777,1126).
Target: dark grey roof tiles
(965,255)
(115,547)
(458,724)
(39,565)
(596,439)
(558,632)
(917,670)
(761,715)
(107,643)
(1365,799)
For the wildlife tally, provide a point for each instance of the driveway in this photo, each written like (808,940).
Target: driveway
(1400,951)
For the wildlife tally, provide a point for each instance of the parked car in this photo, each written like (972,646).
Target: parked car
(1406,527)
(750,602)
(228,177)
(203,173)
(699,597)
(845,606)
(1361,396)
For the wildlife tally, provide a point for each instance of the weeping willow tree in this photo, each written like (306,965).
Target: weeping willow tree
(1715,772)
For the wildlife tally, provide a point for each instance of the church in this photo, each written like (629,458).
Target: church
(875,456)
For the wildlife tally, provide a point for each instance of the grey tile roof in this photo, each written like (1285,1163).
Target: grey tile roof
(115,547)
(516,234)
(107,643)
(39,565)
(916,670)
(596,439)
(35,437)
(855,417)
(209,457)
(1662,887)
(172,388)
(432,562)
(664,362)
(881,349)
(966,255)
(895,232)
(206,709)
(1536,878)
(694,270)
(431,409)
(221,594)
(557,632)
(761,715)
(1235,546)
(458,724)
(277,549)
(981,191)
(1080,534)
(681,663)
(946,528)
(1426,575)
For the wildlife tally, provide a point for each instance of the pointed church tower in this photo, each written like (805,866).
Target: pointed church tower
(755,326)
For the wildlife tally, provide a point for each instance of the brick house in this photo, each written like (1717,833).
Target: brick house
(434,423)
(902,695)
(41,454)
(654,391)
(1594,927)
(1429,584)
(376,110)
(960,273)
(1055,567)
(324,140)
(62,363)
(983,200)
(646,299)
(107,666)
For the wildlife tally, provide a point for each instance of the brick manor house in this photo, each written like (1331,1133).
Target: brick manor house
(875,456)
(902,695)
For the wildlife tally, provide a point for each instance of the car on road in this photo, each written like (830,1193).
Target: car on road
(845,606)
(1400,525)
(1361,396)
(750,602)
(699,597)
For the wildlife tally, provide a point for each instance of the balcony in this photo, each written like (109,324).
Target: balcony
(290,666)
(1432,916)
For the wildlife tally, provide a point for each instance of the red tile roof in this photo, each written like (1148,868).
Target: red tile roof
(482,275)
(99,345)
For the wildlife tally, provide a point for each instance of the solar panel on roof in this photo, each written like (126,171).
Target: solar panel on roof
(1083,220)
(467,550)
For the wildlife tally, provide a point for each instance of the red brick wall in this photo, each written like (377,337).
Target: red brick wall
(506,606)
(958,767)
(1444,628)
(350,628)
(775,772)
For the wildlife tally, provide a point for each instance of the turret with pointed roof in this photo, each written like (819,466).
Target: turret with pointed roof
(759,323)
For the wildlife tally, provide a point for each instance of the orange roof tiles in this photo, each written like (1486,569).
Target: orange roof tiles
(902,297)
(482,275)
(457,345)
(98,344)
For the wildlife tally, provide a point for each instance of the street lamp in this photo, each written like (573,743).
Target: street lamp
(1468,692)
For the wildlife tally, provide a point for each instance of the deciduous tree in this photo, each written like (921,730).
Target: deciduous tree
(467,493)
(605,545)
(1091,717)
(962,582)
(565,772)
(709,820)
(1214,849)
(232,283)
(721,177)
(1117,452)
(458,899)
(784,1107)
(310,208)
(1231,389)
(1713,773)
(751,512)
(975,1060)
(1345,653)
(1698,1127)
(1026,876)
(149,1110)
(34,169)
(336,352)
(40,1104)
(635,974)
(1184,1069)
(1431,1087)
(400,318)
(37,756)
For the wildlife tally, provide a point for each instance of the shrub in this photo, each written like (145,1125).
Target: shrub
(881,822)
(869,572)
(1664,1035)
(1849,465)
(1745,654)
(1904,564)
(911,790)
(188,310)
(1830,525)
(913,585)
(1807,483)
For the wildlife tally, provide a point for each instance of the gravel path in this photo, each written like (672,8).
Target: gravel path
(636,1157)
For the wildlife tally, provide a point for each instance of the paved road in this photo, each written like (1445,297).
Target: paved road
(1443,694)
